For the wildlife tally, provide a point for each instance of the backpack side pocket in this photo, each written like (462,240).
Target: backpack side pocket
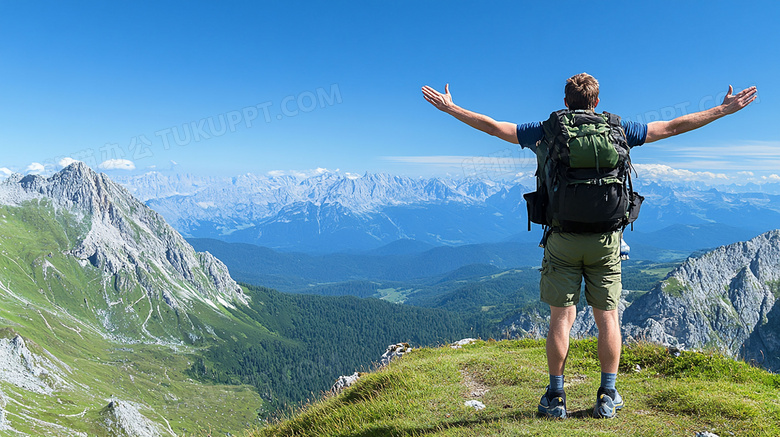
(536,204)
(635,202)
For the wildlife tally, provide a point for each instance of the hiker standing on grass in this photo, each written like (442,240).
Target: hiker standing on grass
(583,229)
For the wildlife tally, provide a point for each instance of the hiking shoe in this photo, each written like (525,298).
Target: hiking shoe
(607,403)
(553,405)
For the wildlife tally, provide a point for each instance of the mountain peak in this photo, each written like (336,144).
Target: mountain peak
(130,244)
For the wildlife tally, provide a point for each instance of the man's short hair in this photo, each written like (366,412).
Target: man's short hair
(582,91)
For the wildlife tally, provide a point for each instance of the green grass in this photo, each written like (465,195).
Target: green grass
(424,393)
(774,286)
(673,287)
(57,305)
(395,295)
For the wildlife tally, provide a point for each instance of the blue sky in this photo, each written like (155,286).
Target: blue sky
(235,87)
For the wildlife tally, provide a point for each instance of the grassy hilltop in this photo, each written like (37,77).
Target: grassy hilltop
(423,394)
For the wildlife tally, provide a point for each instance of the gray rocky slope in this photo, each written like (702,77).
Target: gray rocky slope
(724,301)
(132,247)
(112,270)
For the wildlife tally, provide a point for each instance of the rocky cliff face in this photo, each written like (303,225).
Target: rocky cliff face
(724,299)
(133,249)
(123,419)
(26,370)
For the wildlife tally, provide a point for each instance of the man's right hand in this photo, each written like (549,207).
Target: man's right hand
(442,102)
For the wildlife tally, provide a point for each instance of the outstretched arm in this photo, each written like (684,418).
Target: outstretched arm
(659,130)
(501,129)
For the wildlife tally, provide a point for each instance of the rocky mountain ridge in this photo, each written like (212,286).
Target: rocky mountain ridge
(130,245)
(724,299)
(101,303)
(331,212)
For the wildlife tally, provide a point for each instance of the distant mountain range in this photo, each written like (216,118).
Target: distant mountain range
(332,213)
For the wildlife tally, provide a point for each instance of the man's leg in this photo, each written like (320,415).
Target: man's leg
(608,400)
(561,321)
(553,403)
(602,290)
(610,341)
(559,287)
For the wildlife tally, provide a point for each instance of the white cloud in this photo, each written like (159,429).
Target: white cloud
(771,178)
(35,168)
(666,173)
(64,162)
(301,174)
(117,164)
(753,156)
(6,172)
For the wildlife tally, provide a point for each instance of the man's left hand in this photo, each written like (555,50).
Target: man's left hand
(733,103)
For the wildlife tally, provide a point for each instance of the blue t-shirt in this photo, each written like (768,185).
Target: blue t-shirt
(528,134)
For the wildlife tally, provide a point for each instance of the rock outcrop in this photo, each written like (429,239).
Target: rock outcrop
(344,381)
(122,418)
(722,300)
(24,369)
(394,351)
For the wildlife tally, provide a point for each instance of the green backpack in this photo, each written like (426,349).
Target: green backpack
(583,175)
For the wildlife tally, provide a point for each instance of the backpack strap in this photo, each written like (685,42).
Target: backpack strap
(613,119)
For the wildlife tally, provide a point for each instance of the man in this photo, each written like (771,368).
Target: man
(571,256)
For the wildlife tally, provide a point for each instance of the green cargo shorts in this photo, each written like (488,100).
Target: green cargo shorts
(569,257)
